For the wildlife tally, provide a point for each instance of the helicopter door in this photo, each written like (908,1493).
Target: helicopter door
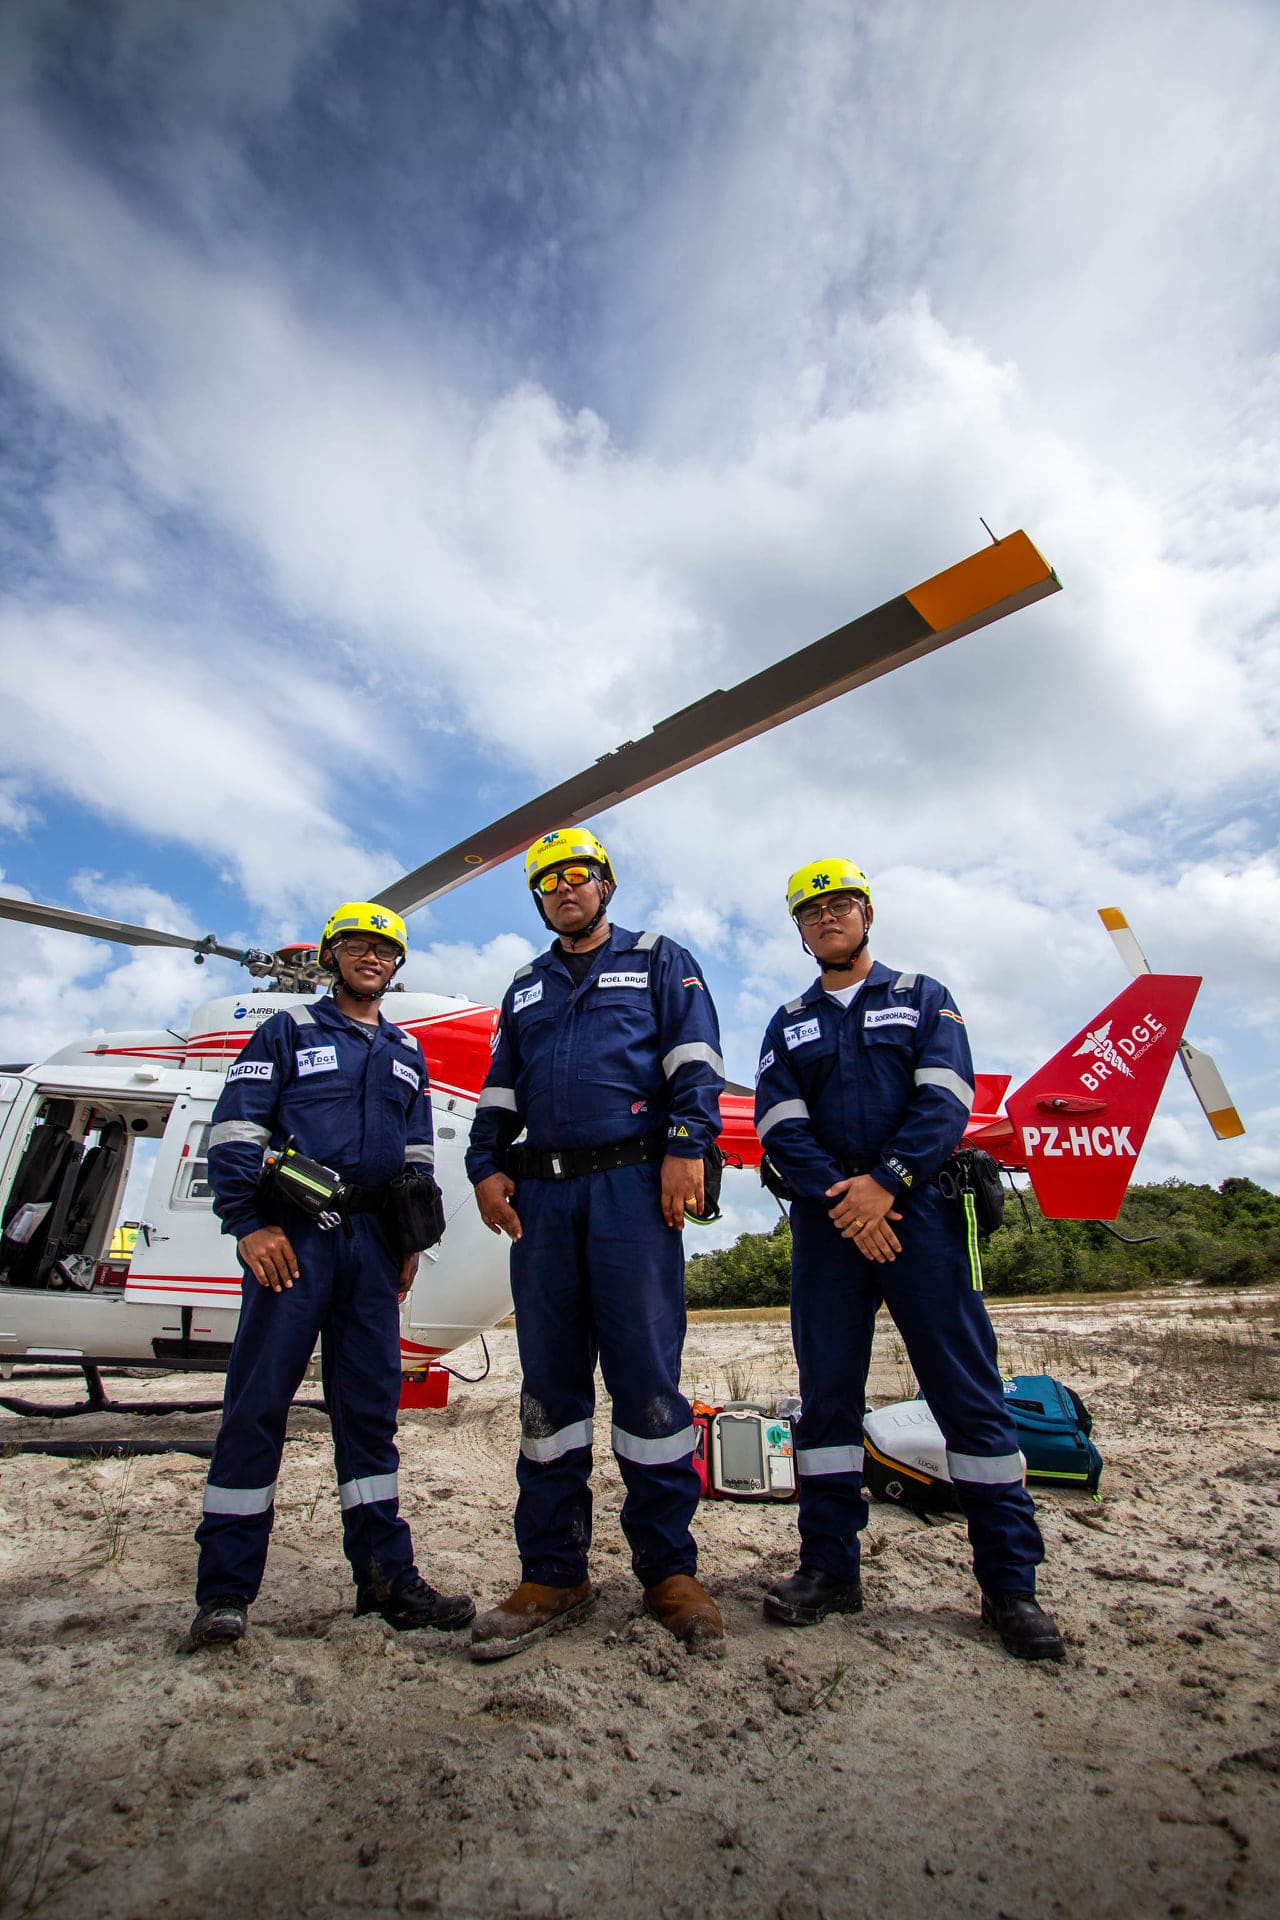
(181,1257)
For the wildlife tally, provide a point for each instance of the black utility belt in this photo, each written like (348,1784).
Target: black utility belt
(568,1163)
(364,1199)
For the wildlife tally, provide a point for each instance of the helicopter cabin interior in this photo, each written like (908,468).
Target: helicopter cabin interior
(63,1224)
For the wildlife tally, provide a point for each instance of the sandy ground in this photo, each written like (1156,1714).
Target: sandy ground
(897,1763)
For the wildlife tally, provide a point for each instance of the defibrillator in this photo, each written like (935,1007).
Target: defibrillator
(744,1452)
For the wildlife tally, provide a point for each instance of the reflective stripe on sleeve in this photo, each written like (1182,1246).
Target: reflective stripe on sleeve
(1001,1470)
(785,1110)
(662,1452)
(816,1460)
(692,1050)
(363,1493)
(420,1156)
(503,1097)
(551,1446)
(944,1077)
(243,1500)
(229,1133)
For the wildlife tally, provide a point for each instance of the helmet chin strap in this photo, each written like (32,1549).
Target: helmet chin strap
(842,966)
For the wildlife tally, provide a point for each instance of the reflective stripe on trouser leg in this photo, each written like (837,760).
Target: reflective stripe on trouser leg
(274,1341)
(834,1296)
(360,1366)
(952,1347)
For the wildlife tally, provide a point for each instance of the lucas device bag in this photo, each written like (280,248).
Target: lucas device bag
(905,1455)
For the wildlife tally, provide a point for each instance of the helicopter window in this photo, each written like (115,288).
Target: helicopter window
(191,1182)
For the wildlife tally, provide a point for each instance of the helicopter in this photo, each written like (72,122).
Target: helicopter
(78,1292)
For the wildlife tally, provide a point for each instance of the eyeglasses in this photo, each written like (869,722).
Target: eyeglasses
(355,947)
(572,877)
(838,905)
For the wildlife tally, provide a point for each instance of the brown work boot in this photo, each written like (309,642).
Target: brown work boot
(528,1614)
(684,1607)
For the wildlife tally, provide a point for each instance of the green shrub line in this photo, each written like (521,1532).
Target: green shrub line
(1227,1236)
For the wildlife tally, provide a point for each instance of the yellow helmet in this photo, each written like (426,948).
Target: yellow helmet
(559,848)
(364,916)
(825,876)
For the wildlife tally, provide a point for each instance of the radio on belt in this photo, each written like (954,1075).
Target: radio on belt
(752,1454)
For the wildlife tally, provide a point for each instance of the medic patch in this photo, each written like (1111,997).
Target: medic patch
(766,1061)
(251,1070)
(806,1030)
(317,1060)
(527,996)
(402,1072)
(892,1017)
(624,980)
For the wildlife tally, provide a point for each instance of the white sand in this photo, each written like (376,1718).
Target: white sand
(897,1763)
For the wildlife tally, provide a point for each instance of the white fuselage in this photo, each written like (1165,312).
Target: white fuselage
(173,1295)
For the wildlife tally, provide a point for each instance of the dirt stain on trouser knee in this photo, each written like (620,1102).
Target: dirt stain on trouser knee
(535,1422)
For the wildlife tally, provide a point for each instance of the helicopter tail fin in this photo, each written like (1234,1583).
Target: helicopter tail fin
(1083,1116)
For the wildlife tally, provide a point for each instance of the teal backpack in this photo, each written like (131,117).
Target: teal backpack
(1054,1428)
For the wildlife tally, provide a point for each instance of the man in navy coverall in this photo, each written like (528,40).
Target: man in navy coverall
(607,1054)
(863,1092)
(352,1090)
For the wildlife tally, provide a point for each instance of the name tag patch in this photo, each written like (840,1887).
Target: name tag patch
(251,1070)
(892,1017)
(806,1030)
(318,1060)
(402,1072)
(527,996)
(623,980)
(766,1061)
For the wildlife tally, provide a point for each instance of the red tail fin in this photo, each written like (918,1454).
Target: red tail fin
(1082,1118)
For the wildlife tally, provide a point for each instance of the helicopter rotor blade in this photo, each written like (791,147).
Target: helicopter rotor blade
(1207,1083)
(998,580)
(61,920)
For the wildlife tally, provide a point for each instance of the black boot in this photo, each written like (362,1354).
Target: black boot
(217,1624)
(1024,1627)
(809,1596)
(417,1605)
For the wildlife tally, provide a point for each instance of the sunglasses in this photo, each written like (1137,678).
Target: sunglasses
(356,948)
(838,905)
(572,877)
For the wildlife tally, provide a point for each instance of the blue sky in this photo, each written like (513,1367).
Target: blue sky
(402,405)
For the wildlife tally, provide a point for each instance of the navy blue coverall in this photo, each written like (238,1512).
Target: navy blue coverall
(356,1098)
(633,1053)
(884,1086)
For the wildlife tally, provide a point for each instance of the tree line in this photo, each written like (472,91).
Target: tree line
(1225,1236)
